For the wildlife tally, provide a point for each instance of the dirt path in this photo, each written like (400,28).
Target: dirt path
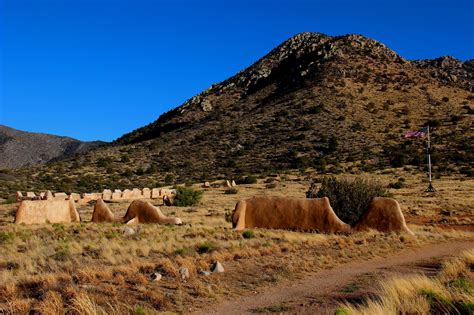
(319,292)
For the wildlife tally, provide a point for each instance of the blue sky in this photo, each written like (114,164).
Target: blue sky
(96,69)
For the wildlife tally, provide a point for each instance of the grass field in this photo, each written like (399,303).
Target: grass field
(91,268)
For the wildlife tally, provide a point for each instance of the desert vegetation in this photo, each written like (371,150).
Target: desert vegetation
(104,268)
(349,198)
(450,292)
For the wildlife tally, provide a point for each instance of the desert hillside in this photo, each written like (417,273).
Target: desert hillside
(20,148)
(316,102)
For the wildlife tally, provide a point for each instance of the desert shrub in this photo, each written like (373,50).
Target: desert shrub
(140,310)
(469,172)
(248,234)
(398,184)
(228,215)
(349,198)
(332,144)
(315,109)
(206,247)
(6,237)
(231,191)
(433,123)
(271,185)
(184,251)
(247,180)
(186,197)
(398,159)
(169,179)
(10,200)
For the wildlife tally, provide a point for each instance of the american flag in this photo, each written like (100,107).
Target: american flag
(417,134)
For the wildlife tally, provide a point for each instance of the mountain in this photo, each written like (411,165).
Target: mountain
(334,104)
(21,148)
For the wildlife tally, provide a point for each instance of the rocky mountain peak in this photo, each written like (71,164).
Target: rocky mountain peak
(449,69)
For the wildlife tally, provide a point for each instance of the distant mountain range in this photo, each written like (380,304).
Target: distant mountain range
(330,103)
(20,148)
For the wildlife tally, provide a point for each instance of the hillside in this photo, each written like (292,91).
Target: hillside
(20,148)
(333,104)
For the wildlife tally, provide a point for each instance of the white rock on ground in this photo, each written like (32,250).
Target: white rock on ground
(217,267)
(184,272)
(156,276)
(128,231)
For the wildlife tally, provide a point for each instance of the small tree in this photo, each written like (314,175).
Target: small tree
(186,197)
(349,198)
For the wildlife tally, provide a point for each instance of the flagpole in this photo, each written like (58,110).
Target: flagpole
(430,186)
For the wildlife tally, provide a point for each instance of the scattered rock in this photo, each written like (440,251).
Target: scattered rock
(156,276)
(213,213)
(204,273)
(217,267)
(128,231)
(184,272)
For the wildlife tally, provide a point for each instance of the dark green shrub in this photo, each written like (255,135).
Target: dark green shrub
(169,179)
(397,185)
(186,197)
(248,234)
(439,304)
(247,180)
(271,185)
(469,172)
(349,198)
(231,191)
(206,247)
(398,159)
(10,200)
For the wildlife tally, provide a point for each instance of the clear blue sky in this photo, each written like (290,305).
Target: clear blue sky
(95,69)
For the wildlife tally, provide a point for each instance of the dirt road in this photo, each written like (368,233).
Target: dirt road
(320,292)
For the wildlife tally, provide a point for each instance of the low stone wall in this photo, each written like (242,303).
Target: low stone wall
(107,194)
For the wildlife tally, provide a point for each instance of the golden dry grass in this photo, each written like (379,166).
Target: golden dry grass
(451,292)
(96,269)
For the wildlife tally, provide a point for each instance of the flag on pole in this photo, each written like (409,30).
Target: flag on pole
(417,134)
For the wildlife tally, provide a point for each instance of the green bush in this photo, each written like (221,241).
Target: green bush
(349,198)
(248,234)
(186,197)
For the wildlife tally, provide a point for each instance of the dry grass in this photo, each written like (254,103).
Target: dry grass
(96,269)
(452,291)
